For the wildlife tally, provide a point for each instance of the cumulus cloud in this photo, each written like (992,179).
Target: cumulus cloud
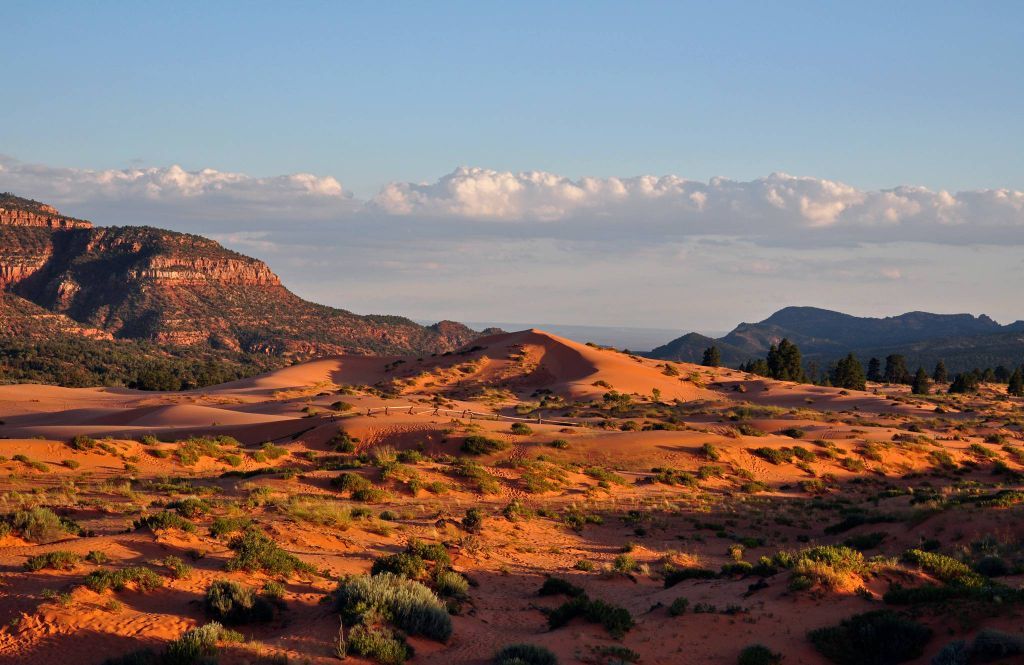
(173,190)
(777,207)
(776,210)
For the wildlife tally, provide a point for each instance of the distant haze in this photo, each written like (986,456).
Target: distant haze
(621,337)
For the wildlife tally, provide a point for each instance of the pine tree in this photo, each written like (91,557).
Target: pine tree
(849,374)
(1016,385)
(896,369)
(711,357)
(921,385)
(785,362)
(875,370)
(965,382)
(940,375)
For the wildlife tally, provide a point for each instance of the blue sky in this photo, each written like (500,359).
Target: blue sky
(870,95)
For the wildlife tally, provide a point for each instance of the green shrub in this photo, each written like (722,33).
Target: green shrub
(223,526)
(944,568)
(190,507)
(710,452)
(233,604)
(57,560)
(380,644)
(524,654)
(447,582)
(402,564)
(991,644)
(256,551)
(481,445)
(199,645)
(774,455)
(163,520)
(407,604)
(556,586)
(678,606)
(521,429)
(793,433)
(82,442)
(881,637)
(350,482)
(560,444)
(144,579)
(758,654)
(41,525)
(473,521)
(616,620)
(674,576)
(435,552)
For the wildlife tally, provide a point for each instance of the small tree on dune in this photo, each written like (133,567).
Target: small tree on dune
(921,385)
(940,375)
(712,358)
(848,374)
(1016,385)
(875,370)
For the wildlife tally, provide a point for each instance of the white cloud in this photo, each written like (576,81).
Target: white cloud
(776,210)
(773,207)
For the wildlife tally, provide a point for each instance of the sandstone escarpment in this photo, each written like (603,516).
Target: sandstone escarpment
(16,211)
(183,290)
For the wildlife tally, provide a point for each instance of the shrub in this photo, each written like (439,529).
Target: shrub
(233,604)
(190,507)
(555,586)
(560,444)
(144,579)
(758,654)
(524,654)
(57,560)
(674,576)
(256,551)
(793,433)
(447,582)
(710,452)
(222,526)
(616,620)
(678,606)
(380,644)
(473,521)
(481,445)
(351,482)
(82,442)
(991,644)
(881,637)
(407,604)
(402,564)
(41,525)
(521,429)
(944,568)
(435,552)
(199,645)
(163,520)
(774,455)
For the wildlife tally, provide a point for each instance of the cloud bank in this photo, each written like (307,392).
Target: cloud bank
(778,209)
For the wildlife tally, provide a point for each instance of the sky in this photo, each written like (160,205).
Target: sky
(672,165)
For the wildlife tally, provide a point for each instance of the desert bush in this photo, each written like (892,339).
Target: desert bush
(144,579)
(481,445)
(449,583)
(674,576)
(758,654)
(234,604)
(710,452)
(678,606)
(190,507)
(256,551)
(402,564)
(409,605)
(473,520)
(774,455)
(524,654)
(57,560)
(199,645)
(991,644)
(435,552)
(163,520)
(832,566)
(223,526)
(350,482)
(560,444)
(793,433)
(521,429)
(82,442)
(944,568)
(40,525)
(616,620)
(378,643)
(555,586)
(881,637)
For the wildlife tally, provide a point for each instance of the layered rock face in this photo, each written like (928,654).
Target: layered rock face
(181,289)
(16,211)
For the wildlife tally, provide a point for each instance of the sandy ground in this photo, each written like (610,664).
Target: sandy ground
(870,452)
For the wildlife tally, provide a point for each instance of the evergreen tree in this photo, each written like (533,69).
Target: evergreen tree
(940,375)
(1002,374)
(1016,385)
(921,385)
(896,369)
(965,382)
(875,370)
(848,373)
(785,363)
(711,357)
(988,376)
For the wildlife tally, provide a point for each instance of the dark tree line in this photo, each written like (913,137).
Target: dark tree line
(784,363)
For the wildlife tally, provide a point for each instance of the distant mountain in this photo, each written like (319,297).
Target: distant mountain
(962,341)
(62,276)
